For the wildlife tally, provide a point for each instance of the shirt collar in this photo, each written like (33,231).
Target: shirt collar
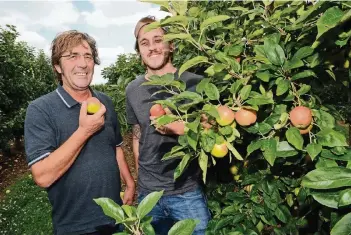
(67,98)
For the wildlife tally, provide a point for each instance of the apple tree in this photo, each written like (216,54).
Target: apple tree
(256,112)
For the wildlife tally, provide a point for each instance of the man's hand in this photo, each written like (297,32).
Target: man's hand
(128,197)
(173,128)
(90,124)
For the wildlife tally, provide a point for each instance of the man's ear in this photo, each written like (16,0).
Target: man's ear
(58,68)
(171,47)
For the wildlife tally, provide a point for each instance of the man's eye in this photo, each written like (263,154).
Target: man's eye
(73,57)
(88,57)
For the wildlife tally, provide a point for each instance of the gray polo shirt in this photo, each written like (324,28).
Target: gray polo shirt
(154,174)
(50,121)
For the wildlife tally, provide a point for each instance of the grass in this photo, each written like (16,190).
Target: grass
(25,209)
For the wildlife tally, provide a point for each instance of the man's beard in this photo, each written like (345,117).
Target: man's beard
(167,56)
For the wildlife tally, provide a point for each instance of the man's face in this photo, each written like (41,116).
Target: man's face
(154,52)
(77,67)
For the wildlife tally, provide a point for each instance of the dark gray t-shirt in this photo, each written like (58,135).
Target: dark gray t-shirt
(50,121)
(154,174)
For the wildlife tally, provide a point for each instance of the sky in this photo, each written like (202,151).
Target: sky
(111,23)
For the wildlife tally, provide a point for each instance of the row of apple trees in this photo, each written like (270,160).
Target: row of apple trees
(24,75)
(259,111)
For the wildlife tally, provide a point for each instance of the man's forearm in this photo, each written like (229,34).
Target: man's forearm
(136,136)
(123,167)
(51,168)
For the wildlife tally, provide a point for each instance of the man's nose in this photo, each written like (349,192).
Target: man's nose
(81,62)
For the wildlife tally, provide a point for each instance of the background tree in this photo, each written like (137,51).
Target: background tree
(118,75)
(24,76)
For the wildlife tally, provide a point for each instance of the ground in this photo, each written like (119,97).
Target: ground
(13,167)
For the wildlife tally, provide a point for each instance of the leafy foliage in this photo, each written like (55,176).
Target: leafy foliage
(135,219)
(24,76)
(263,56)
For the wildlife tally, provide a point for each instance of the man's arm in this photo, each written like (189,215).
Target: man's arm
(126,177)
(136,137)
(48,170)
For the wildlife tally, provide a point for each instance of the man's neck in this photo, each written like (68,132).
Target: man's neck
(78,95)
(168,68)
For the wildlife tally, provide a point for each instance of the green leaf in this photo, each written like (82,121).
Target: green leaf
(235,50)
(344,157)
(110,208)
(293,64)
(165,119)
(200,87)
(304,74)
(329,20)
(282,87)
(184,227)
(203,163)
(211,110)
(282,213)
(194,125)
(313,150)
(236,86)
(303,89)
(262,100)
(212,20)
(274,53)
(264,128)
(194,11)
(167,103)
(329,199)
(192,62)
(182,165)
(152,26)
(327,178)
(207,142)
(264,76)
(192,139)
(254,145)
(345,197)
(147,229)
(324,162)
(307,13)
(149,202)
(188,95)
(303,52)
(343,226)
(174,20)
(284,149)
(294,137)
(172,36)
(331,138)
(245,92)
(269,148)
(324,119)
(171,155)
(211,91)
(234,151)
(128,210)
(180,6)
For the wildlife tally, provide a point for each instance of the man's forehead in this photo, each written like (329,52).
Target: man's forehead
(83,46)
(150,34)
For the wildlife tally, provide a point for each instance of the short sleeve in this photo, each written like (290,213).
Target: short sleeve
(39,135)
(131,118)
